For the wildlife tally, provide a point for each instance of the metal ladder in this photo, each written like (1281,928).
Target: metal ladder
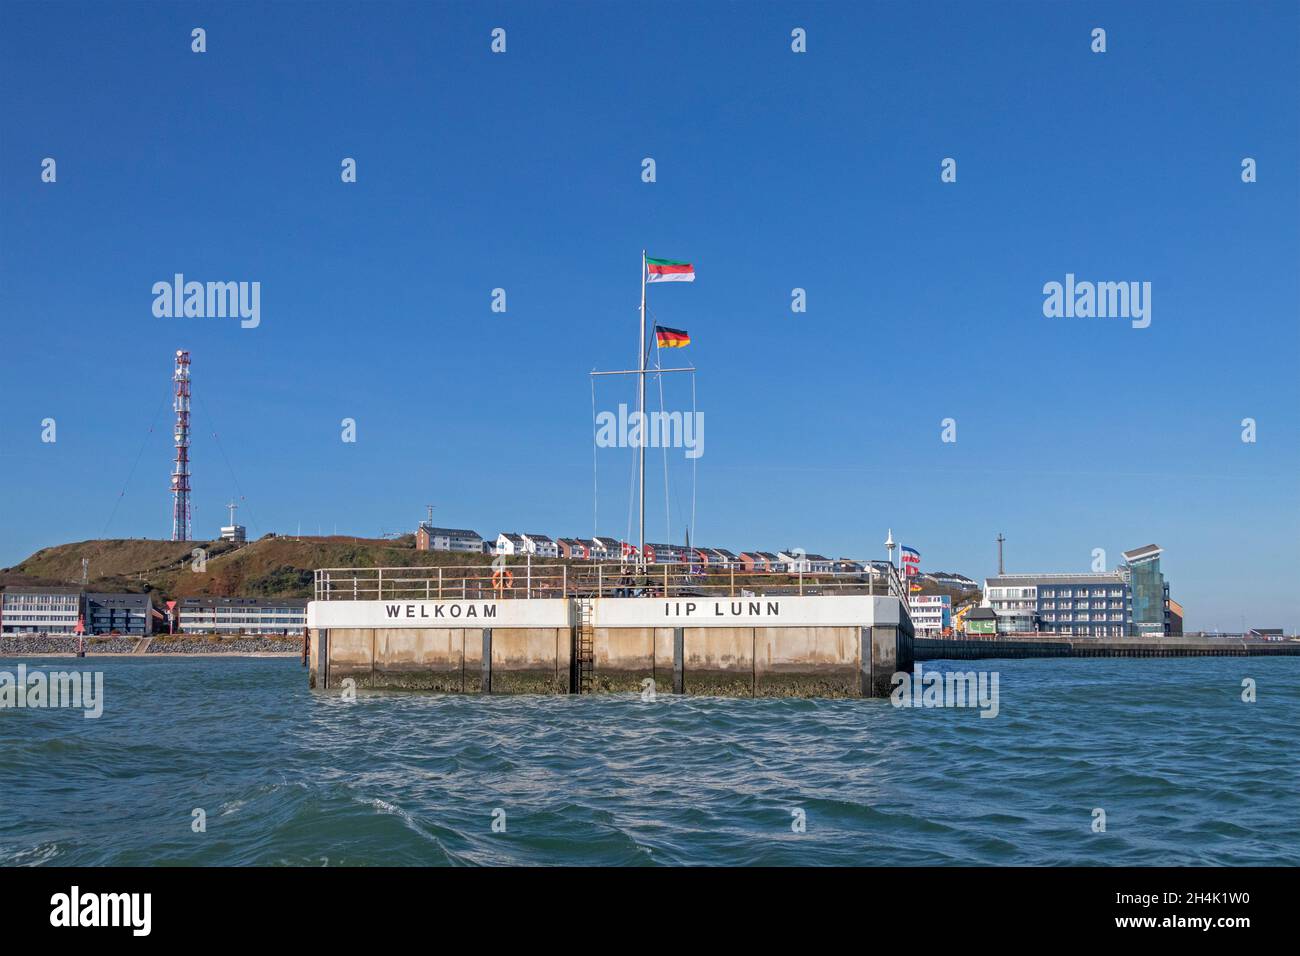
(584,648)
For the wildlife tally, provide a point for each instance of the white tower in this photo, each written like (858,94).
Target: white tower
(234,532)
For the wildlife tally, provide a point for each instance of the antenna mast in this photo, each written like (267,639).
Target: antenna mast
(181,434)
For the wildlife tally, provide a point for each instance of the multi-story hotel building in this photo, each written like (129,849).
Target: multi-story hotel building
(234,615)
(40,610)
(1087,605)
(119,614)
(1130,601)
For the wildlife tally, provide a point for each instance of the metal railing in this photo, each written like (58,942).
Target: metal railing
(524,580)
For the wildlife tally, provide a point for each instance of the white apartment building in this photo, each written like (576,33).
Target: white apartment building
(931,614)
(539,545)
(428,538)
(511,544)
(40,610)
(796,562)
(604,549)
(231,615)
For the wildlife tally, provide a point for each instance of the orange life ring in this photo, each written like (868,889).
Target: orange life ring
(502,579)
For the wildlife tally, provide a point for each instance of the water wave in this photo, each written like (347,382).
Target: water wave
(1184,771)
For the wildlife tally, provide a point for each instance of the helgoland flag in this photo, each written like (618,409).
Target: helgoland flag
(668,270)
(671,338)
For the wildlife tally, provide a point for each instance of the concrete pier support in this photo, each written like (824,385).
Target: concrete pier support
(318,660)
(891,651)
(527,660)
(679,660)
(787,646)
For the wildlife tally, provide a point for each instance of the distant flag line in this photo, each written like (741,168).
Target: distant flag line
(910,558)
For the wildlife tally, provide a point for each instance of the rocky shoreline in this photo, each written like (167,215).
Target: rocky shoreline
(160,646)
(37,645)
(225,645)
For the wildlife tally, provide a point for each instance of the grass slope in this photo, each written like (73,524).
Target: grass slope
(268,567)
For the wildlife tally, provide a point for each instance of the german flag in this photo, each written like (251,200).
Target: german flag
(671,338)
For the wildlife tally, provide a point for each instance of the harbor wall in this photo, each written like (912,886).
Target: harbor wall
(763,646)
(840,646)
(502,647)
(935,649)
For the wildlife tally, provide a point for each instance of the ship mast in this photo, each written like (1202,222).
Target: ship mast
(640,554)
(644,427)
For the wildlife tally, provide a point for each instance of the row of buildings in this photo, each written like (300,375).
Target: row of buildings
(55,610)
(63,610)
(515,544)
(1131,601)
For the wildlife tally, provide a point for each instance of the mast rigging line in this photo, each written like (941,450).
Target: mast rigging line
(221,448)
(130,474)
(668,522)
(595,483)
(656,371)
(694,464)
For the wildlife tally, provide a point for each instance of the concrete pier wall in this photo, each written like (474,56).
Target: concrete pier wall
(532,660)
(449,660)
(626,656)
(761,647)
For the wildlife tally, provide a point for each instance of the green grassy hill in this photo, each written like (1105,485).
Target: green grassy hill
(268,567)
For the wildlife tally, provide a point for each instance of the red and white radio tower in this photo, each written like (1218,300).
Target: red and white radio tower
(181,471)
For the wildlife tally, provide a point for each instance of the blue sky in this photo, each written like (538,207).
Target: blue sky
(775,170)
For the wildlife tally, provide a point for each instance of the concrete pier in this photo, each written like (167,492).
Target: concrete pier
(768,646)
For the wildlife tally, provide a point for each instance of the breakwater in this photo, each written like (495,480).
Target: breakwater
(934,649)
(225,644)
(154,646)
(38,645)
